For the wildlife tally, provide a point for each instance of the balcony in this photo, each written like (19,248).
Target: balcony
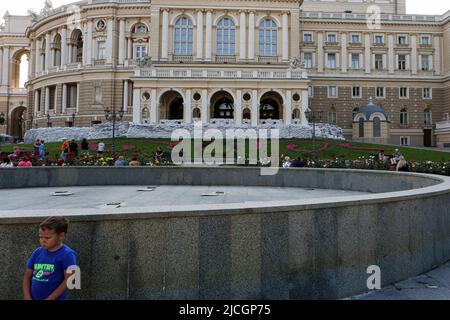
(225,59)
(268,59)
(181,59)
(443,125)
(220,74)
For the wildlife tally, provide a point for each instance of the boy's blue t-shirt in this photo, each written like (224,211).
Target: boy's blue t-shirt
(48,270)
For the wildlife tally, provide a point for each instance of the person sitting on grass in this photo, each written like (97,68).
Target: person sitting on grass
(24,163)
(134,162)
(46,273)
(120,162)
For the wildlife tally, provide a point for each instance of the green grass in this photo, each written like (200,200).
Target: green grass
(148,147)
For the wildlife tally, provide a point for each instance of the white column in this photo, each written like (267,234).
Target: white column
(130,49)
(305,106)
(89,43)
(414,54)
(243,32)
(238,108)
(70,49)
(122,47)
(84,35)
(205,116)
(36,102)
(31,59)
(251,35)
(109,41)
(320,54)
(47,99)
(199,35)
(288,108)
(255,111)
(63,46)
(344,54)
(208,40)
(367,55)
(48,55)
(78,98)
(5,66)
(125,95)
(153,107)
(437,55)
(1,60)
(64,99)
(285,32)
(165,35)
(391,57)
(188,107)
(137,106)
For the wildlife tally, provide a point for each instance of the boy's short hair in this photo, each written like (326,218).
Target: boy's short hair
(59,224)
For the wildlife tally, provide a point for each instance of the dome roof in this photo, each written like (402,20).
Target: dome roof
(370,109)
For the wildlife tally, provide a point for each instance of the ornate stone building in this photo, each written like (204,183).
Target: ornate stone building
(229,61)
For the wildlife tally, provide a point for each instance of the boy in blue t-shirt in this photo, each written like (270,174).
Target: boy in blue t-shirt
(46,274)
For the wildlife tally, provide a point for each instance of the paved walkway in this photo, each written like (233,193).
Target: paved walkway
(434,285)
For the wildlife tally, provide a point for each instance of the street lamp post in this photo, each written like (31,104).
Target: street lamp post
(314,116)
(73,119)
(113,116)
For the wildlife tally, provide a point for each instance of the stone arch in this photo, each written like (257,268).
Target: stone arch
(171,105)
(222,105)
(220,17)
(360,116)
(379,115)
(19,68)
(77,42)
(271,106)
(17,121)
(185,14)
(136,24)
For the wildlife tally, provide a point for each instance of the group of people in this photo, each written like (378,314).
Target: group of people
(73,147)
(395,162)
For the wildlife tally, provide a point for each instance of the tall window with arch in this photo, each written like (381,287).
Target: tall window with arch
(20,69)
(57,50)
(332,115)
(376,127)
(184,37)
(268,38)
(226,37)
(404,116)
(428,117)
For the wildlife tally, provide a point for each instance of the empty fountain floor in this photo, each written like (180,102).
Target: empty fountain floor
(101,196)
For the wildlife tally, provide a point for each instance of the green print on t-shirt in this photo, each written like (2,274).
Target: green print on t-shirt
(41,270)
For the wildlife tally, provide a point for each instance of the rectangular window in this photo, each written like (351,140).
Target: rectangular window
(310,91)
(52,97)
(378,62)
(308,60)
(425,40)
(101,50)
(98,95)
(332,92)
(71,96)
(427,93)
(404,141)
(332,38)
(379,40)
(355,61)
(403,93)
(38,100)
(356,92)
(307,37)
(425,62)
(401,62)
(332,60)
(356,38)
(380,92)
(402,40)
(141,51)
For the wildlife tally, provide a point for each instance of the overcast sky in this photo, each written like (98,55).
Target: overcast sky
(413,6)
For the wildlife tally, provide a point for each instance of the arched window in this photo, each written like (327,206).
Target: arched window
(226,37)
(361,127)
(77,46)
(268,38)
(184,37)
(57,48)
(196,113)
(332,115)
(376,127)
(354,113)
(43,57)
(404,116)
(428,117)
(139,28)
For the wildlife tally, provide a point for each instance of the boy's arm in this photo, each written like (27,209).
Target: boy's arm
(61,289)
(27,284)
